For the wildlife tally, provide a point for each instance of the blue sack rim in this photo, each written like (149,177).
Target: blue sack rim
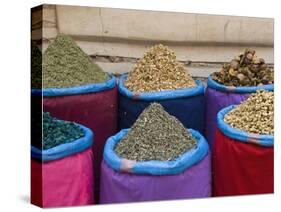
(161,95)
(174,167)
(64,150)
(240,135)
(84,89)
(240,89)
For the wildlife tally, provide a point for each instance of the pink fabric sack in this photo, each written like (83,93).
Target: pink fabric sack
(63,175)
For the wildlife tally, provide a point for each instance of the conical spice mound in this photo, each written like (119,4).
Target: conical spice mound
(65,64)
(158,70)
(155,135)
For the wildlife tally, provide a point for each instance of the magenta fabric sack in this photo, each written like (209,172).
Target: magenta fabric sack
(218,97)
(122,180)
(63,175)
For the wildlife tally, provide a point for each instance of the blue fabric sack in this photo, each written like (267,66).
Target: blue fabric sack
(187,105)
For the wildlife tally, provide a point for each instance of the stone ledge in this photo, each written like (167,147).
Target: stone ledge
(163,26)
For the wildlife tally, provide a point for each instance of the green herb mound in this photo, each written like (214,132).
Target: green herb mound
(66,65)
(156,135)
(56,132)
(36,66)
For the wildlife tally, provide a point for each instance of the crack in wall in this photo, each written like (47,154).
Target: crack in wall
(119,59)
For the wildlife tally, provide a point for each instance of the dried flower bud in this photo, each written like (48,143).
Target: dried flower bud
(158,70)
(255,114)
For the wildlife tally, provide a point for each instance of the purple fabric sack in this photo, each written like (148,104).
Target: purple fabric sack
(217,100)
(218,96)
(121,187)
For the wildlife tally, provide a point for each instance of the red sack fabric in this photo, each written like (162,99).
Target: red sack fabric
(97,111)
(64,182)
(241,168)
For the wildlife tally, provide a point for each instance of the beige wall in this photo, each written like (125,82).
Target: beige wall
(116,38)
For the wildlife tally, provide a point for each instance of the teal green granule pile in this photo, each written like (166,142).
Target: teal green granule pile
(56,132)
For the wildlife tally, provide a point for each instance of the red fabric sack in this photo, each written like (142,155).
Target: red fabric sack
(241,167)
(94,106)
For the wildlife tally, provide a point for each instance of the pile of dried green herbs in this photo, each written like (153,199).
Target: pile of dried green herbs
(56,132)
(245,69)
(155,135)
(66,65)
(255,114)
(158,70)
(36,66)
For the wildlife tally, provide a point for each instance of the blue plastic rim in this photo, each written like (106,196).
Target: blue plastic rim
(231,89)
(162,95)
(64,150)
(90,88)
(240,135)
(177,166)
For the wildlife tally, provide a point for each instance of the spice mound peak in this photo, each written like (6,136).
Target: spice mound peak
(158,70)
(65,65)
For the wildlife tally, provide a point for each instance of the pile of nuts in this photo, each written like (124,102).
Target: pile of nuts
(254,115)
(245,70)
(158,70)
(156,135)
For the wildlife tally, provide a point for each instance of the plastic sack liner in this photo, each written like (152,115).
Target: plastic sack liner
(163,95)
(63,175)
(89,88)
(219,96)
(188,105)
(242,162)
(240,89)
(94,106)
(66,149)
(189,176)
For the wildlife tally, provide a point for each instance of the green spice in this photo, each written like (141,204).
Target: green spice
(66,65)
(245,70)
(36,66)
(155,135)
(255,114)
(56,132)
